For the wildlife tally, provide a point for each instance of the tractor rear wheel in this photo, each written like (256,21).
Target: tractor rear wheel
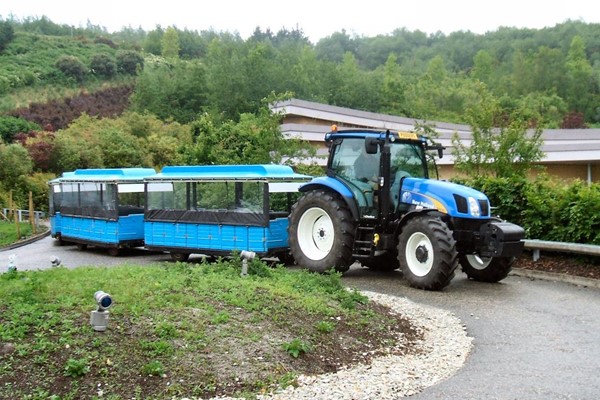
(427,253)
(483,269)
(321,232)
(180,257)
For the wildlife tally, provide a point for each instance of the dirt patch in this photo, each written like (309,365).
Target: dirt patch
(569,264)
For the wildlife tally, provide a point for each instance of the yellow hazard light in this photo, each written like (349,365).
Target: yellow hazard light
(334,128)
(408,135)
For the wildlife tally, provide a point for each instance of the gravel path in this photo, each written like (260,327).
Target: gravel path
(443,350)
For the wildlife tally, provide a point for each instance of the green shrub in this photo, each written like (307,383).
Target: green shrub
(129,61)
(72,67)
(103,65)
(10,126)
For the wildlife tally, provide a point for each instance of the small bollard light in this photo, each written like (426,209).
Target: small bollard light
(54,261)
(12,263)
(99,317)
(246,255)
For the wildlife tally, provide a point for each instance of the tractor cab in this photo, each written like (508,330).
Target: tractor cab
(374,164)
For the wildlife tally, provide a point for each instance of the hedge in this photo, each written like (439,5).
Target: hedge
(546,209)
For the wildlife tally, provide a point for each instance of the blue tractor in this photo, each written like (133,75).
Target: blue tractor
(378,206)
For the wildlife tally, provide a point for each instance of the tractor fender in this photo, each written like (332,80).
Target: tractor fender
(333,185)
(416,213)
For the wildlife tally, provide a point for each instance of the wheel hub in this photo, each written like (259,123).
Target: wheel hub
(422,254)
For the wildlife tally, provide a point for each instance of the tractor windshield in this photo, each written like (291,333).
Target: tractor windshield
(351,161)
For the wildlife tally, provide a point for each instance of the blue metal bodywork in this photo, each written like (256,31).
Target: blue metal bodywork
(217,230)
(441,195)
(126,229)
(103,222)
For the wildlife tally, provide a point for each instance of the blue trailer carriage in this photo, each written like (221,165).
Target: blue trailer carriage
(217,209)
(100,207)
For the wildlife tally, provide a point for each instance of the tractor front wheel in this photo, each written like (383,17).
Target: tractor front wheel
(483,269)
(427,253)
(321,232)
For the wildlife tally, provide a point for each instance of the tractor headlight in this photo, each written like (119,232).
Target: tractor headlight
(474,208)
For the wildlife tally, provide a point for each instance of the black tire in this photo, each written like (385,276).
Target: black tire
(181,257)
(81,246)
(321,232)
(486,270)
(384,263)
(427,253)
(286,258)
(113,251)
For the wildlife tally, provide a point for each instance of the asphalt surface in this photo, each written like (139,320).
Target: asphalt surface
(533,339)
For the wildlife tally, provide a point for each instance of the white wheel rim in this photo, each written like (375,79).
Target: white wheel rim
(419,254)
(479,263)
(315,233)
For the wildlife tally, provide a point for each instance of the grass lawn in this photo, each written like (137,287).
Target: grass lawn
(8,232)
(179,329)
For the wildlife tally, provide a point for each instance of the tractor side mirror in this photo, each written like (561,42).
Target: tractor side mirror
(371,145)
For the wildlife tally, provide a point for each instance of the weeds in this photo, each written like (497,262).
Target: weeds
(153,368)
(76,368)
(296,347)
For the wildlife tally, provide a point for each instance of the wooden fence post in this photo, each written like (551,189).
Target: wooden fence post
(31,213)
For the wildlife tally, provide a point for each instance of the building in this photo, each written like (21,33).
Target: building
(568,153)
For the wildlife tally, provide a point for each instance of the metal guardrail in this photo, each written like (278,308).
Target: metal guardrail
(23,215)
(538,245)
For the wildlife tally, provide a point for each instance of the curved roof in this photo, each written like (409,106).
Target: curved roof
(114,175)
(263,172)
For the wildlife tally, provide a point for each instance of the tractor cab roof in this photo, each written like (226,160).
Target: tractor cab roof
(381,134)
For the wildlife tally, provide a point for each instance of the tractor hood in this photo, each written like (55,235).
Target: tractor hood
(449,198)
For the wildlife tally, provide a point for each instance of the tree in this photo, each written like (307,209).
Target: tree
(394,88)
(579,78)
(483,67)
(120,149)
(7,34)
(170,43)
(176,90)
(10,126)
(255,139)
(15,165)
(504,151)
(153,42)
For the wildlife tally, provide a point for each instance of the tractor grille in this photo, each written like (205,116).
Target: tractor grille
(485,210)
(461,204)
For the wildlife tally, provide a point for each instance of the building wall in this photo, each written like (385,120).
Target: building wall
(570,172)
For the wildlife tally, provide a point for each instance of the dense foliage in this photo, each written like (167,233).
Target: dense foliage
(551,73)
(548,210)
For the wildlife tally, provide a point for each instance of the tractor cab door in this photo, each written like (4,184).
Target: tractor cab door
(359,170)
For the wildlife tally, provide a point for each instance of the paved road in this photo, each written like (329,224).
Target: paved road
(533,339)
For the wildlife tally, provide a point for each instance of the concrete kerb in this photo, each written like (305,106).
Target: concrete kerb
(556,277)
(27,241)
